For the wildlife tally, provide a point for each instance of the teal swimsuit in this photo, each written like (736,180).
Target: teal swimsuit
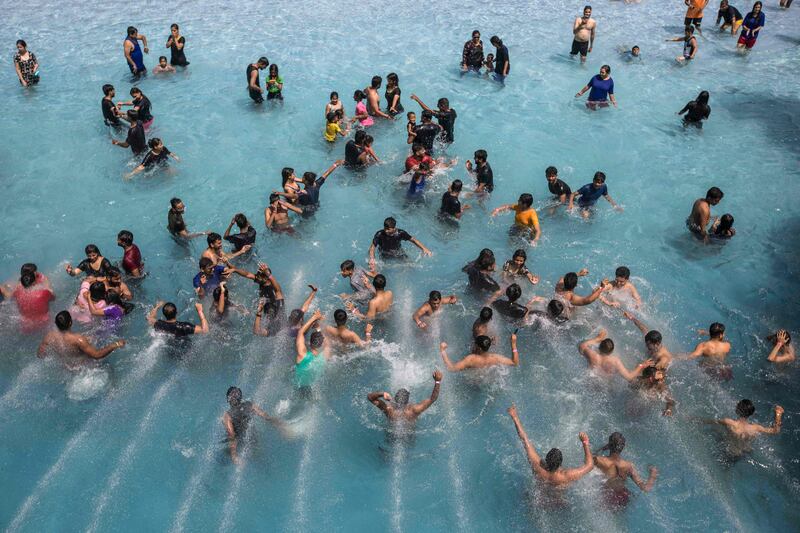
(307,371)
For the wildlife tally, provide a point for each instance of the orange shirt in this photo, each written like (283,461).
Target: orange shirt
(526,217)
(695,9)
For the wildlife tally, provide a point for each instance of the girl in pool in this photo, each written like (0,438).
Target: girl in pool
(752,24)
(696,110)
(274,84)
(334,104)
(26,64)
(176,42)
(393,105)
(95,265)
(163,67)
(602,89)
(723,227)
(158,155)
(361,116)
(515,267)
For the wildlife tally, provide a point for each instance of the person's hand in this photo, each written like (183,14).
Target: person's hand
(437,375)
(778,410)
(68,268)
(246,248)
(618,207)
(602,334)
(534,279)
(349,305)
(160,303)
(782,338)
(647,362)
(146,50)
(387,396)
(313,288)
(368,329)
(263,267)
(667,412)
(584,438)
(427,252)
(317,315)
(120,343)
(653,470)
(24,83)
(372,264)
(583,272)
(577,95)
(512,411)
(589,51)
(199,307)
(442,346)
(338,162)
(513,338)
(135,70)
(627,315)
(203,279)
(421,324)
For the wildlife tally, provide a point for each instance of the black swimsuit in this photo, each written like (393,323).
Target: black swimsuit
(178,58)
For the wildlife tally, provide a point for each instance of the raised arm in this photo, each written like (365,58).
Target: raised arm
(458,367)
(781,342)
(533,457)
(300,343)
(152,315)
(638,323)
(574,474)
(586,300)
(585,348)
(775,428)
(424,404)
(336,164)
(379,399)
(421,103)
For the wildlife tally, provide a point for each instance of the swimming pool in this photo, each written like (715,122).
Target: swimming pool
(136,444)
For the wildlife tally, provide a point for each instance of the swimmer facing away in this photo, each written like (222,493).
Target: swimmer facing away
(398,409)
(237,419)
(742,431)
(617,471)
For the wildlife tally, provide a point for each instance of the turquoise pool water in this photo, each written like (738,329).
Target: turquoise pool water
(136,444)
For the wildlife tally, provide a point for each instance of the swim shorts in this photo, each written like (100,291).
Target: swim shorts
(748,42)
(582,47)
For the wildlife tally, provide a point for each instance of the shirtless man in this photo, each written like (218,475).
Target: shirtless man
(399,410)
(482,324)
(216,254)
(549,470)
(604,360)
(380,303)
(344,335)
(71,345)
(482,358)
(699,218)
(622,285)
(374,99)
(617,470)
(237,419)
(583,34)
(716,348)
(432,307)
(782,351)
(653,342)
(276,215)
(565,289)
(743,431)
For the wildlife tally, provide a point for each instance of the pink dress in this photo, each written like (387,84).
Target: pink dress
(361,109)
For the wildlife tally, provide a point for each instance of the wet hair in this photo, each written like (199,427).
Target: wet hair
(599,176)
(296,316)
(476,32)
(333,93)
(132,114)
(135,90)
(379,282)
(132,31)
(155,141)
(213,237)
(690,29)
(97,290)
(331,117)
(234,395)
(340,317)
(623,272)
(745,408)
(316,339)
(725,223)
(28,267)
(552,460)
(205,262)
(716,329)
(263,61)
(274,198)
(125,237)
(649,372)
(606,346)
(175,201)
(606,68)
(392,77)
(309,178)
(408,115)
(63,320)
(376,82)
(520,253)
(570,281)
(759,4)
(368,139)
(635,47)
(427,116)
(23,43)
(483,342)
(555,308)
(496,40)
(418,147)
(112,272)
(587,7)
(273,68)
(91,249)
(456,186)
(551,171)
(714,193)
(286,173)
(218,291)
(401,397)
(389,223)
(174,27)
(653,337)
(347,264)
(360,136)
(525,199)
(27,279)
(489,57)
(616,443)
(162,57)
(358,95)
(107,88)
(434,295)
(485,314)
(442,102)
(513,292)
(241,220)
(485,254)
(481,154)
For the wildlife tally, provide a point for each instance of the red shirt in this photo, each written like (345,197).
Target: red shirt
(132,259)
(33,305)
(412,161)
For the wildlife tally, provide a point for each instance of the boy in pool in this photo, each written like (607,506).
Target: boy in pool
(489,63)
(589,194)
(723,228)
(742,431)
(604,360)
(653,342)
(380,303)
(617,470)
(782,351)
(343,335)
(237,419)
(652,383)
(411,127)
(163,67)
(359,281)
(525,218)
(398,409)
(332,127)
(698,219)
(482,357)
(713,351)
(276,215)
(622,285)
(432,307)
(71,346)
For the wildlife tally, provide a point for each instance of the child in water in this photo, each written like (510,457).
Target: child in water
(723,227)
(489,63)
(411,127)
(274,84)
(332,128)
(163,67)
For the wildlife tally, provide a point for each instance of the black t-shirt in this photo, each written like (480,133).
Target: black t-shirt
(510,309)
(697,112)
(175,222)
(500,60)
(480,280)
(86,268)
(729,15)
(426,134)
(559,187)
(153,158)
(447,120)
(239,240)
(390,244)
(450,204)
(310,195)
(179,329)
(108,108)
(178,57)
(136,139)
(351,153)
(144,108)
(485,176)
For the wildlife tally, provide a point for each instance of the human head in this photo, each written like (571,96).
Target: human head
(435,299)
(427,116)
(124,238)
(485,260)
(555,308)
(214,240)
(296,317)
(716,330)
(496,41)
(331,117)
(481,156)
(723,4)
(616,443)
(92,251)
(635,51)
(132,31)
(551,173)
(347,267)
(653,340)
(725,222)
(605,71)
(63,321)
(28,267)
(490,57)
(219,291)
(411,116)
(136,92)
(476,35)
(262,62)
(599,179)
(234,396)
(334,97)
(757,8)
(587,11)
(485,315)
(274,198)
(456,186)
(418,150)
(443,104)
(689,31)
(316,340)
(483,343)
(379,282)
(714,195)
(309,178)
(513,292)
(154,143)
(177,204)
(525,200)
(360,136)
(174,28)
(368,140)
(358,95)
(570,281)
(21,46)
(27,279)
(170,311)
(108,89)
(97,291)
(286,174)
(745,408)
(113,276)
(206,265)
(389,223)
(652,374)
(392,80)
(376,82)
(702,98)
(241,221)
(623,274)
(606,347)
(519,257)
(162,61)
(273,70)
(401,397)
(340,317)
(132,115)
(552,461)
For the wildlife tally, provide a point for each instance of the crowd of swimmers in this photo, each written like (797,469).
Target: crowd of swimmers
(106,291)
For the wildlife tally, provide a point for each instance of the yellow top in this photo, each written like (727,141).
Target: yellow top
(331,130)
(526,217)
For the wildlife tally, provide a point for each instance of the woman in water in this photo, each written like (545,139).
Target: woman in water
(158,155)
(95,265)
(361,116)
(26,64)
(752,24)
(175,43)
(141,104)
(310,360)
(689,45)
(696,110)
(479,272)
(617,470)
(334,104)
(515,267)
(132,51)
(91,301)
(393,105)
(602,89)
(274,84)
(723,227)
